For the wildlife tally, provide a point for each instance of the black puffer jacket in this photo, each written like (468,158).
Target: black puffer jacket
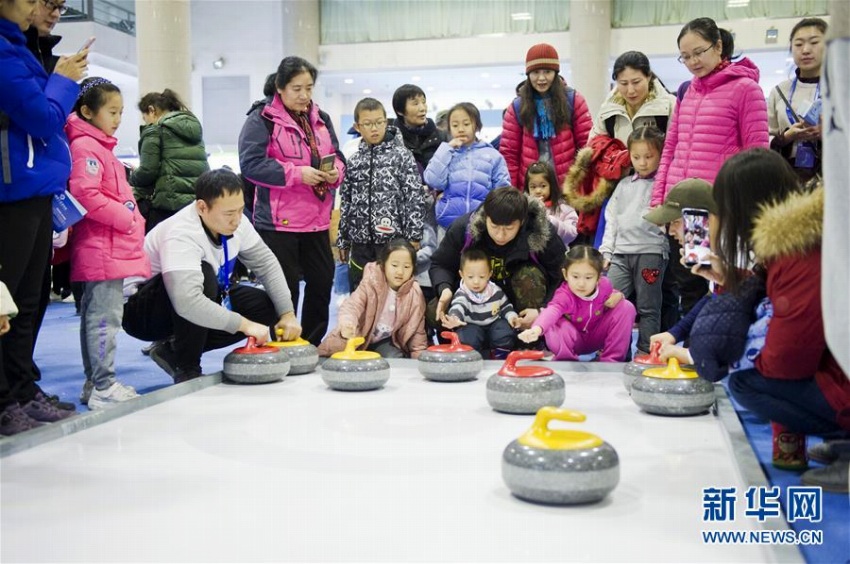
(421,141)
(719,334)
(382,196)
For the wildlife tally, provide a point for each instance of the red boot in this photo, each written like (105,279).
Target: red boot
(789,449)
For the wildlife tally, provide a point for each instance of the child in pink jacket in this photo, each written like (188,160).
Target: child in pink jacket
(541,183)
(387,308)
(586,314)
(107,245)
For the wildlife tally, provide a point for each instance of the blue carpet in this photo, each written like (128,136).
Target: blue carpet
(836,507)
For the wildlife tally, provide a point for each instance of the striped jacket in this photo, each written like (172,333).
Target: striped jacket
(481,308)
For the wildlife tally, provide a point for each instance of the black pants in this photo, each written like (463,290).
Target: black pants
(358,256)
(155,216)
(26,239)
(691,287)
(498,334)
(150,316)
(306,255)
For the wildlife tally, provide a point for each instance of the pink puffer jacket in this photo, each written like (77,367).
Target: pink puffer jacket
(519,147)
(720,115)
(108,243)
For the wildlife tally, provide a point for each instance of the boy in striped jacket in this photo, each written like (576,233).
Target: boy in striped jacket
(482,314)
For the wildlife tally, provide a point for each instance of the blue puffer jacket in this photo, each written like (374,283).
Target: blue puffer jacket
(465,176)
(34,155)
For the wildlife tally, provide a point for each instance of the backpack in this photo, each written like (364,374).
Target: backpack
(249,189)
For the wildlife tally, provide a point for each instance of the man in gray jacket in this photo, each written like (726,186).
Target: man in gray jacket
(191,303)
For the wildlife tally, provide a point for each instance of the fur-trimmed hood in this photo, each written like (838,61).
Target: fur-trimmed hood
(792,226)
(536,225)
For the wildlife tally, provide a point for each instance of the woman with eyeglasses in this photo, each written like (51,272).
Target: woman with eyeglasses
(289,150)
(793,107)
(34,166)
(722,113)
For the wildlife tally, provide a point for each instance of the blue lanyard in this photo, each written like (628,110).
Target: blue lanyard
(791,117)
(228,271)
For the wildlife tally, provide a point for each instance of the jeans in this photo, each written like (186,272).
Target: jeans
(798,404)
(100,320)
(497,335)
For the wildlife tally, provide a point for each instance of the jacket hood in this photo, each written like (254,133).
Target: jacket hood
(183,124)
(536,225)
(657,103)
(790,227)
(78,127)
(744,68)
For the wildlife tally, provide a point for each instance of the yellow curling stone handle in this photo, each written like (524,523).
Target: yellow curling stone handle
(299,342)
(539,435)
(351,352)
(671,372)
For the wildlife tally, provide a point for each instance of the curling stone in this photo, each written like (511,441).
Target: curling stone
(640,363)
(255,364)
(303,356)
(562,466)
(672,391)
(453,362)
(351,370)
(524,389)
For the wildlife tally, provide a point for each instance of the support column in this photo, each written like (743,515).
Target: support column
(164,46)
(590,38)
(301,31)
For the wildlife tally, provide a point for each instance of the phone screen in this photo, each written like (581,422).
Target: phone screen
(697,242)
(87,44)
(327,163)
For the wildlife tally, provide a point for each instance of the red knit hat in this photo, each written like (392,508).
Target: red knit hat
(542,56)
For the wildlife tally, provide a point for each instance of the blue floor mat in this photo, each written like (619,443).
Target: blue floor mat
(835,523)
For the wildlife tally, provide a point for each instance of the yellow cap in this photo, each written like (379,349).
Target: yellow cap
(539,435)
(351,352)
(671,372)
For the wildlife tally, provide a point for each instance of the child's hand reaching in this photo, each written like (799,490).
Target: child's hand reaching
(515,322)
(613,299)
(530,335)
(665,338)
(348,330)
(452,321)
(4,324)
(675,351)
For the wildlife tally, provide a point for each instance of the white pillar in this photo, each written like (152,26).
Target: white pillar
(590,38)
(164,47)
(300,29)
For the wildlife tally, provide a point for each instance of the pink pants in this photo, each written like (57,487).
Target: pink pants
(611,333)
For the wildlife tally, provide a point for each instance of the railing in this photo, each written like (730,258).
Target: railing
(119,14)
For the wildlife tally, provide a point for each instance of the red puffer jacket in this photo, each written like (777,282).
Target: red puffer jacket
(519,147)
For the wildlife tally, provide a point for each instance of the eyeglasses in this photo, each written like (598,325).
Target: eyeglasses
(378,124)
(685,59)
(51,6)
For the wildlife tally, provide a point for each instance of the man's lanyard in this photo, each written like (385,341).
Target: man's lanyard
(228,271)
(792,118)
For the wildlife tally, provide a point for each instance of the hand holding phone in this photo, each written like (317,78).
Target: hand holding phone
(87,44)
(696,248)
(327,163)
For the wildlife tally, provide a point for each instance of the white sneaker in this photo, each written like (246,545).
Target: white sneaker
(116,393)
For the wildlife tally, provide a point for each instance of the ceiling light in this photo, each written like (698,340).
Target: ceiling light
(415,78)
(525,16)
(430,88)
(367,91)
(218,63)
(349,81)
(737,3)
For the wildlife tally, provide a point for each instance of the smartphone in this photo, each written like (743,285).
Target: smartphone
(87,44)
(697,242)
(327,163)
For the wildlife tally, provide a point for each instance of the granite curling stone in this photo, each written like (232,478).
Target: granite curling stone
(255,364)
(560,467)
(672,391)
(640,363)
(452,362)
(524,389)
(351,370)
(303,355)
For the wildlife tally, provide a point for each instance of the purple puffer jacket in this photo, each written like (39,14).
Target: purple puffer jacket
(720,115)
